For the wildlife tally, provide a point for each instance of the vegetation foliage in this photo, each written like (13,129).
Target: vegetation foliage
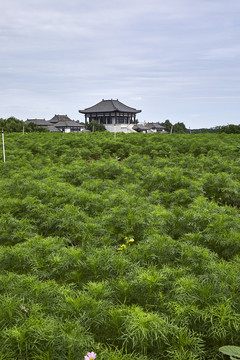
(14,125)
(229,129)
(127,247)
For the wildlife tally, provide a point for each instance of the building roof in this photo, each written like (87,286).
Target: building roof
(140,127)
(154,126)
(38,122)
(107,106)
(68,123)
(58,118)
(52,128)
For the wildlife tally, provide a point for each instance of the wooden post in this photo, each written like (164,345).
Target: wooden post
(3,146)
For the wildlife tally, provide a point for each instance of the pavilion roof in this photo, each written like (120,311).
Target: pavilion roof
(154,126)
(58,118)
(38,122)
(109,106)
(140,127)
(67,123)
(52,128)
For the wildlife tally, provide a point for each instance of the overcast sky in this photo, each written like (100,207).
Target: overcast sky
(172,59)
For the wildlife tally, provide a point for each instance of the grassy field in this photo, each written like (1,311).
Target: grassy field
(127,247)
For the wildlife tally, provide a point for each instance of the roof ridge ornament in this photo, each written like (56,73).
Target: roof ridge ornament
(115,107)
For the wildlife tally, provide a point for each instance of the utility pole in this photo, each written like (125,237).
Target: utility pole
(3,146)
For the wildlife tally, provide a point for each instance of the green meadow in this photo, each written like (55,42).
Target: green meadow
(128,247)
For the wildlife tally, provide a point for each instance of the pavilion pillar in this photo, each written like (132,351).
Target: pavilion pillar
(98,118)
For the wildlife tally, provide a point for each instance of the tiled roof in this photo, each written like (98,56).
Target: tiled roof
(68,123)
(52,128)
(154,126)
(58,118)
(38,122)
(139,127)
(109,106)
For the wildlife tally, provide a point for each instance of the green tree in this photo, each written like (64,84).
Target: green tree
(14,125)
(94,126)
(179,128)
(229,129)
(167,124)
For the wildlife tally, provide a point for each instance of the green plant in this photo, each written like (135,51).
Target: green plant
(231,350)
(69,202)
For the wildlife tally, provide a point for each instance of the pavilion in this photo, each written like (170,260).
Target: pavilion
(110,112)
(60,123)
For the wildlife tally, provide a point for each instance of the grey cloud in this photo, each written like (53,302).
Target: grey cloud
(61,56)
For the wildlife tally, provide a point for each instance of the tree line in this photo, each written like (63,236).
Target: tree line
(14,125)
(180,128)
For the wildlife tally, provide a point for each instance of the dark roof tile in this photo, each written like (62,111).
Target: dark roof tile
(68,123)
(38,122)
(58,118)
(109,106)
(154,126)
